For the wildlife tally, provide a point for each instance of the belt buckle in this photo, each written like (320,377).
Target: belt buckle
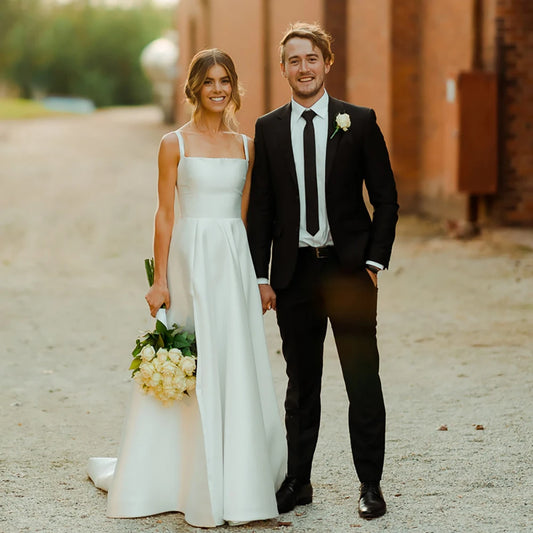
(321,253)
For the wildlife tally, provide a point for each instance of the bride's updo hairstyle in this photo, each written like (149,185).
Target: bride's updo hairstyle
(198,69)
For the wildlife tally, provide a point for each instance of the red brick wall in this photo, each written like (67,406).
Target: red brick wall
(430,42)
(368,68)
(488,37)
(406,113)
(515,37)
(446,49)
(335,23)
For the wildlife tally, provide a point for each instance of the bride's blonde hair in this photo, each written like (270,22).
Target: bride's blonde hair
(198,69)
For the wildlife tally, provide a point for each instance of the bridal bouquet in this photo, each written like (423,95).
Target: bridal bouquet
(164,360)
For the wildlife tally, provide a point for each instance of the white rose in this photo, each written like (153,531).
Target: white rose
(147,353)
(167,383)
(162,354)
(168,368)
(343,121)
(174,354)
(188,365)
(146,370)
(155,379)
(159,395)
(157,364)
(178,373)
(191,383)
(179,382)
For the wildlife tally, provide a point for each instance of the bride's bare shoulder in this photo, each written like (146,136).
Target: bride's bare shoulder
(169,141)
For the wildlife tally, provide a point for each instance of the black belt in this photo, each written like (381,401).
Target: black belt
(322,252)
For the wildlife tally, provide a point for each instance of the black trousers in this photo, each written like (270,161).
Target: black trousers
(320,290)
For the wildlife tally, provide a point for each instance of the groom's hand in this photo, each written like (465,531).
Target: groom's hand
(268,297)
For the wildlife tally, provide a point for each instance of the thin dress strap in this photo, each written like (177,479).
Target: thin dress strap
(181,143)
(245,141)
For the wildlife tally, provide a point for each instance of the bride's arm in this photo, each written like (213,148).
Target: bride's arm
(246,190)
(168,159)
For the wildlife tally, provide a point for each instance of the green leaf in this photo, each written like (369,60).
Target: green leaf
(149,267)
(160,327)
(160,342)
(136,363)
(181,344)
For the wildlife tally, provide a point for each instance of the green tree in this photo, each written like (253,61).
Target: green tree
(78,49)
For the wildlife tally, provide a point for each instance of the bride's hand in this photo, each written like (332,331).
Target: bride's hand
(268,297)
(156,297)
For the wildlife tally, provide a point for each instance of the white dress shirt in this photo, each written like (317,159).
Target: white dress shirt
(320,124)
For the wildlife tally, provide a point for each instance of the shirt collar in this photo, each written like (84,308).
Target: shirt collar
(320,107)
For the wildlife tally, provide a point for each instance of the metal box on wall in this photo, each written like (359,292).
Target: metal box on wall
(477,136)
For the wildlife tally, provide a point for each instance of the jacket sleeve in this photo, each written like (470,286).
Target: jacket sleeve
(379,181)
(261,208)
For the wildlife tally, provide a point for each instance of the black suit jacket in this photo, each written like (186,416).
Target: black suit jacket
(353,157)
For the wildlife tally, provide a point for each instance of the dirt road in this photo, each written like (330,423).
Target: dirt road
(455,320)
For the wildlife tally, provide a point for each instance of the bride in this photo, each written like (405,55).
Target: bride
(219,454)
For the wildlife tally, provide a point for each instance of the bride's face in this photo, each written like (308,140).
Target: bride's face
(215,94)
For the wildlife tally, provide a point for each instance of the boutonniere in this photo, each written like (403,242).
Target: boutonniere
(342,122)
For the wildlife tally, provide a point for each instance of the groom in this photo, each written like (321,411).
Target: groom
(312,157)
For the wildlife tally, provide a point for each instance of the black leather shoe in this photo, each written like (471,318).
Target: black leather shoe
(371,502)
(292,493)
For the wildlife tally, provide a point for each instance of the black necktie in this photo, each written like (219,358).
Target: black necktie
(311,191)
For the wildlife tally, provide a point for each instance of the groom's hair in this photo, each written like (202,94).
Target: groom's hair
(320,38)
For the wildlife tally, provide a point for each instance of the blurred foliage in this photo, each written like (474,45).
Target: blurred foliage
(79,49)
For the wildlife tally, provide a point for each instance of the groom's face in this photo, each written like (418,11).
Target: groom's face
(305,69)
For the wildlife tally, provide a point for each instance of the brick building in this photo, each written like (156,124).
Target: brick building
(450,80)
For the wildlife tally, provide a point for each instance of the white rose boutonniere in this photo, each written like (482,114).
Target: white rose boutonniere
(342,122)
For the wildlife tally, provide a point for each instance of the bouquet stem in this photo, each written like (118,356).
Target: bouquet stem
(149,267)
(161,315)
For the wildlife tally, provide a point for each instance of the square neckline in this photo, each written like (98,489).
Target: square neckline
(181,143)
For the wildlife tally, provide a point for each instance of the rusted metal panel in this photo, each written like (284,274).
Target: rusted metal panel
(477,169)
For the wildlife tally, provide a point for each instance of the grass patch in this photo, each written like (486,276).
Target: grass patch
(18,108)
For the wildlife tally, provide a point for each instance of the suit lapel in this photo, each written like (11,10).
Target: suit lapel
(334,107)
(285,141)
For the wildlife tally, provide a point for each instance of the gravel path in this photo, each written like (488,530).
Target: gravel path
(78,196)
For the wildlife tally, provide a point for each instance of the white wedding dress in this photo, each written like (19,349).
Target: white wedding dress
(220,454)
